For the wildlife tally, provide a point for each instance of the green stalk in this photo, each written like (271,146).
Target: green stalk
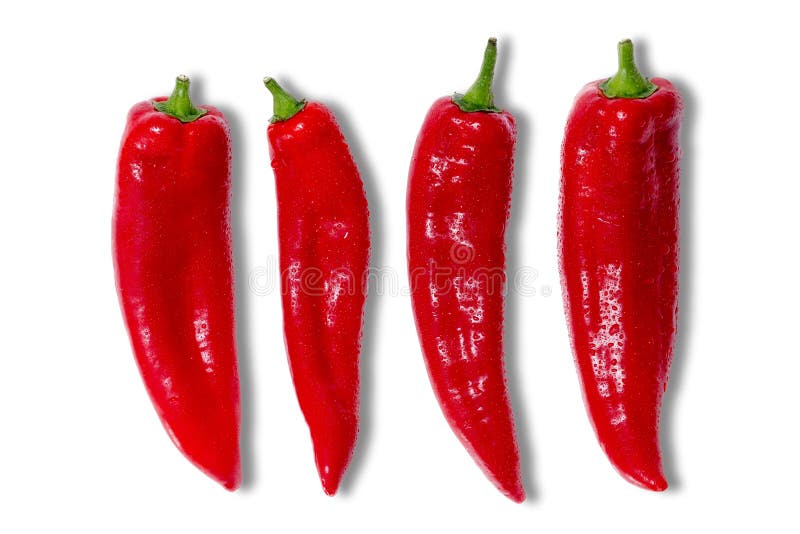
(284,105)
(179,105)
(628,82)
(479,97)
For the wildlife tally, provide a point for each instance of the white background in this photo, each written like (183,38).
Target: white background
(81,448)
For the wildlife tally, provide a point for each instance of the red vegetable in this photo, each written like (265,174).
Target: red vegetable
(172,256)
(459,196)
(618,247)
(323,228)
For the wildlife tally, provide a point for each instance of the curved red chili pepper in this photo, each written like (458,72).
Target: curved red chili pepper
(618,248)
(323,228)
(174,272)
(459,196)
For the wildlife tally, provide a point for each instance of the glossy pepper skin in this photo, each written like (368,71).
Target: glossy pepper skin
(459,195)
(324,242)
(174,273)
(618,250)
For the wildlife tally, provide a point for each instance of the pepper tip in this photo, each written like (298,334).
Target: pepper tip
(330,477)
(518,495)
(658,484)
(231,480)
(649,481)
(330,487)
(231,485)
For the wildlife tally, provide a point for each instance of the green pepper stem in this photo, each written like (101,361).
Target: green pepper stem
(179,105)
(628,82)
(284,105)
(479,96)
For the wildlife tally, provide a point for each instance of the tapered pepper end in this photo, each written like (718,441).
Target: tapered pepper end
(284,105)
(640,467)
(214,451)
(479,97)
(515,492)
(179,105)
(331,473)
(496,452)
(648,481)
(508,481)
(224,464)
(628,82)
(232,478)
(224,468)
(334,442)
(229,481)
(330,482)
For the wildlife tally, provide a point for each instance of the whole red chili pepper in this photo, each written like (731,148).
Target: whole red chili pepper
(174,271)
(618,248)
(459,196)
(323,229)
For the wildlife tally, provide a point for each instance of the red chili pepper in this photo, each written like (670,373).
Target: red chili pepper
(174,270)
(618,248)
(323,228)
(459,197)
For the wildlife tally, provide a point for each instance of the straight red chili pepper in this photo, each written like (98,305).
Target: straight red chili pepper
(618,249)
(323,230)
(174,272)
(459,196)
